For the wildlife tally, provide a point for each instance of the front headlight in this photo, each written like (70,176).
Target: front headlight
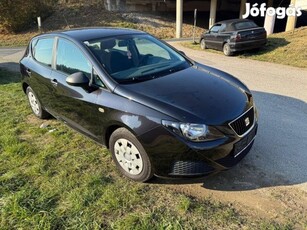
(193,132)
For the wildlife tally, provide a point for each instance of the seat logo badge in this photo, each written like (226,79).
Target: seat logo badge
(101,110)
(247,122)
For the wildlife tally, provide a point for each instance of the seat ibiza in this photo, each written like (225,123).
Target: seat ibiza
(156,110)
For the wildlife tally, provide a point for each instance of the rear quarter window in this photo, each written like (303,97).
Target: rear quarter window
(42,50)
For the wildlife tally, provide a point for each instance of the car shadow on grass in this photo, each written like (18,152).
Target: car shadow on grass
(278,157)
(272,44)
(8,76)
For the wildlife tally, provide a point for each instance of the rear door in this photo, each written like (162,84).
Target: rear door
(39,70)
(75,105)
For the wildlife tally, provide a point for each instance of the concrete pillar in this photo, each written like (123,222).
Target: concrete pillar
(154,6)
(242,8)
(291,22)
(212,12)
(179,13)
(108,5)
(269,23)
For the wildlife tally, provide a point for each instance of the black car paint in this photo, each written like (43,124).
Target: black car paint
(140,107)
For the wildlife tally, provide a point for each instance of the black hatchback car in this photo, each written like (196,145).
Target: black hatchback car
(157,111)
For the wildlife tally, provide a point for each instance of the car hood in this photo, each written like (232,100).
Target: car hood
(195,95)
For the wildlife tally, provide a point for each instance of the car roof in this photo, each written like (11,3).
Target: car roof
(230,21)
(85,34)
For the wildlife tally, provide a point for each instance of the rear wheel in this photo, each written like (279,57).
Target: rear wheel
(203,44)
(36,105)
(129,155)
(226,50)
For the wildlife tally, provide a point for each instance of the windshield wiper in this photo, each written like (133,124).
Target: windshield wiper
(158,67)
(135,79)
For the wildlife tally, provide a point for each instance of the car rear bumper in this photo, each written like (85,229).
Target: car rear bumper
(173,156)
(247,45)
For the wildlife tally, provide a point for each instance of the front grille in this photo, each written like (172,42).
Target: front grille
(190,168)
(243,123)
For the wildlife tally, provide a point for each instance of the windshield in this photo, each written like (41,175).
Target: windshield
(134,58)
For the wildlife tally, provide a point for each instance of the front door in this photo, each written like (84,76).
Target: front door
(75,105)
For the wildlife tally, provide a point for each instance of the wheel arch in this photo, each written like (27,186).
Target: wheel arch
(110,130)
(24,87)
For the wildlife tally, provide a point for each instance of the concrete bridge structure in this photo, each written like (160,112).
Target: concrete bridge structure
(226,9)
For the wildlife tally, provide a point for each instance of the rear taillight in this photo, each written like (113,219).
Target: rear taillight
(236,37)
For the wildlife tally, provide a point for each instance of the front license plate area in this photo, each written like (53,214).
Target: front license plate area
(244,142)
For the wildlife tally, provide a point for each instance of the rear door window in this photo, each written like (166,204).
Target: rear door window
(42,50)
(70,59)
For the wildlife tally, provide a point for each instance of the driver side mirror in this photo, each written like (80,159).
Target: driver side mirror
(77,79)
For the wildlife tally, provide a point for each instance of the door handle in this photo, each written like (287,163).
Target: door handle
(28,71)
(54,82)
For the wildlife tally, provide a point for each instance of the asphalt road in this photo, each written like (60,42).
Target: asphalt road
(273,176)
(280,92)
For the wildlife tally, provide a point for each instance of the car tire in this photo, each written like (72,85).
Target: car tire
(226,49)
(203,44)
(129,156)
(36,105)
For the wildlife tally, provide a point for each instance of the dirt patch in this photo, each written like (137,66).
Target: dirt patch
(278,203)
(68,16)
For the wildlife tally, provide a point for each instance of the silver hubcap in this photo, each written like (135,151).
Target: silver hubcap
(33,103)
(128,156)
(203,44)
(226,49)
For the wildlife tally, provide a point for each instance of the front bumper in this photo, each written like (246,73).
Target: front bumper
(173,156)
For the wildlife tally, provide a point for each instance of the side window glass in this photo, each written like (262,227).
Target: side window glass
(42,50)
(215,29)
(223,28)
(70,59)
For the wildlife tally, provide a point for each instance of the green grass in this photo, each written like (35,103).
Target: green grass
(62,180)
(288,48)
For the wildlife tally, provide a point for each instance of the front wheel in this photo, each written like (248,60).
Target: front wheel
(226,50)
(129,156)
(203,44)
(36,105)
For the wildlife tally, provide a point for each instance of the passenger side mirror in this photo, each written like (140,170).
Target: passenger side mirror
(77,79)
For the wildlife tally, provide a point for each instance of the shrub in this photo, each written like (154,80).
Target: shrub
(18,15)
